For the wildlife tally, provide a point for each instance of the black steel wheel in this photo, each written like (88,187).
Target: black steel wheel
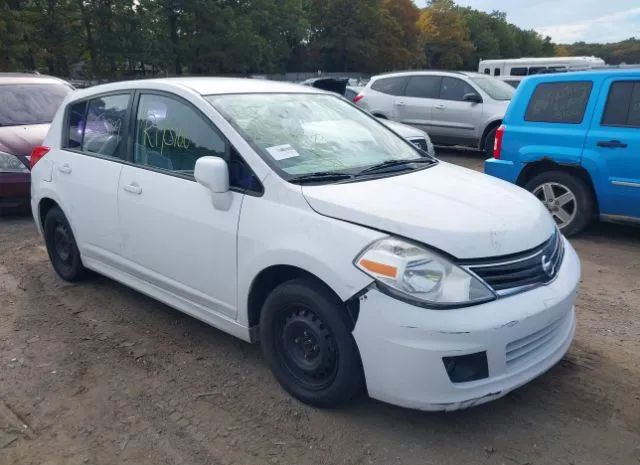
(305,332)
(61,246)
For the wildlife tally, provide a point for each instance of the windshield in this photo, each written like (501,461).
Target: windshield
(495,88)
(24,104)
(301,134)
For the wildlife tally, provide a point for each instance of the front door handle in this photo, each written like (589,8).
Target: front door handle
(133,189)
(440,107)
(612,144)
(401,104)
(66,169)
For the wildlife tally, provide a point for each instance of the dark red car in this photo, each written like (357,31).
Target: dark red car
(28,103)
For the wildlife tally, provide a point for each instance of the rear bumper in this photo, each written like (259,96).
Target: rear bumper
(402,346)
(15,190)
(503,169)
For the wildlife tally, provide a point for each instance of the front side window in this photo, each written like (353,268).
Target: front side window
(104,125)
(559,102)
(455,89)
(391,86)
(424,87)
(25,104)
(171,135)
(494,88)
(623,105)
(301,134)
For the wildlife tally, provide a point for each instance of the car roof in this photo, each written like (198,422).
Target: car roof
(29,78)
(204,86)
(578,75)
(427,73)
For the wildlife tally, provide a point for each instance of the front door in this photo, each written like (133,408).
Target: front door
(456,118)
(614,137)
(173,236)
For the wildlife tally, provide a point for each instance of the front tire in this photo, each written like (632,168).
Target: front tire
(567,197)
(305,333)
(489,140)
(61,246)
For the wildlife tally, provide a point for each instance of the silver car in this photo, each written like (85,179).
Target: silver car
(454,108)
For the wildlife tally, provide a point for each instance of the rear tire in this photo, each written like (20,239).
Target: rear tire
(305,333)
(61,246)
(567,197)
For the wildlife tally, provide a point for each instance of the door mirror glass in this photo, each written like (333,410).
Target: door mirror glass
(472,97)
(212,173)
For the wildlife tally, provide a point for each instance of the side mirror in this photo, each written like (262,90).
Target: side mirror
(472,97)
(212,173)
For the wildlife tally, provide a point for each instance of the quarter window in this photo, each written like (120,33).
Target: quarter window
(559,102)
(171,135)
(623,105)
(455,89)
(76,117)
(424,87)
(391,86)
(104,127)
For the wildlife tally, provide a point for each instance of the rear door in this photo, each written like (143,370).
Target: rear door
(615,138)
(456,118)
(87,169)
(415,107)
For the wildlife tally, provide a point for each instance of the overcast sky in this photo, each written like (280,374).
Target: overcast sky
(568,21)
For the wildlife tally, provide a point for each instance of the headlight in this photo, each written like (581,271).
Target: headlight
(411,272)
(11,164)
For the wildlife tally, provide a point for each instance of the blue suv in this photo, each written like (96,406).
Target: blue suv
(573,140)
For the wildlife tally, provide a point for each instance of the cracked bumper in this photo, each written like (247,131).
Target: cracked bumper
(523,335)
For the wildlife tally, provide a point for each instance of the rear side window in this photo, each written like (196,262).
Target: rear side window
(424,87)
(24,104)
(559,102)
(105,120)
(391,85)
(518,72)
(623,105)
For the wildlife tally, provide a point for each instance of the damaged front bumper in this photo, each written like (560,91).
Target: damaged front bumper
(406,351)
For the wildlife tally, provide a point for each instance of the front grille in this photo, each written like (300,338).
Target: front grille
(421,143)
(520,271)
(526,348)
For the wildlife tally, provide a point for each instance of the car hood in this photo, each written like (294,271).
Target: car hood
(20,140)
(408,132)
(459,211)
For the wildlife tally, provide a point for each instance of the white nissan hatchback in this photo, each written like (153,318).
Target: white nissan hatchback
(287,215)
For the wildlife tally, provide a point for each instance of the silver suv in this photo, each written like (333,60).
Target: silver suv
(454,108)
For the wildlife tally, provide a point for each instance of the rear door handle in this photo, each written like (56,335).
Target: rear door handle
(440,107)
(133,189)
(66,169)
(401,104)
(612,144)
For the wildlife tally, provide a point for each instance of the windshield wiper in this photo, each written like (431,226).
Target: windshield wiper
(391,163)
(322,176)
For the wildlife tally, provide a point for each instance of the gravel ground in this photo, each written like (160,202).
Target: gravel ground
(97,373)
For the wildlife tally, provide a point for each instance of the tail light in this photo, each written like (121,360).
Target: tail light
(37,153)
(497,143)
(357,98)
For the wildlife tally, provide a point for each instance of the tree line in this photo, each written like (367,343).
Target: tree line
(124,38)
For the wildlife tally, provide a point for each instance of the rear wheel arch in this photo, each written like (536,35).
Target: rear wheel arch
(534,168)
(44,206)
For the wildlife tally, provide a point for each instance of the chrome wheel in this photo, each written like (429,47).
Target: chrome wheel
(559,200)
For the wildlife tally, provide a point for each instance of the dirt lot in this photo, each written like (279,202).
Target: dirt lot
(96,373)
